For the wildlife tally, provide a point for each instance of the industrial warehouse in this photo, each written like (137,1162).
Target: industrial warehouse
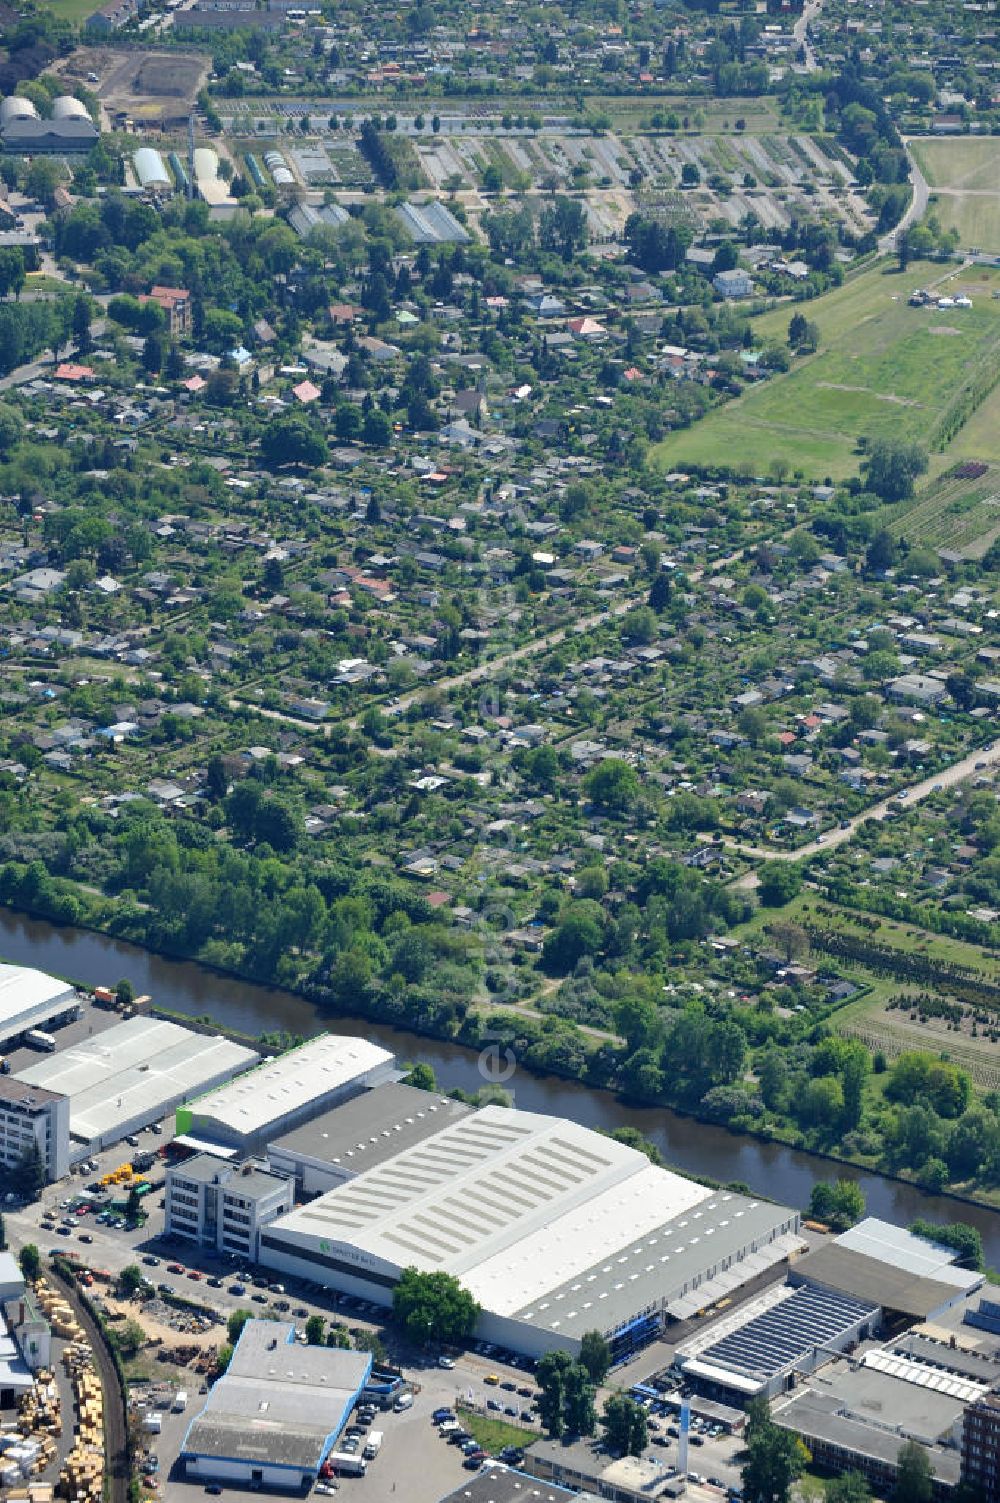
(285,1091)
(555,1230)
(133,1073)
(31,999)
(277,1413)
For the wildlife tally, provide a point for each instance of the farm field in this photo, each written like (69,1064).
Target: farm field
(883,368)
(964,177)
(954,512)
(895,1030)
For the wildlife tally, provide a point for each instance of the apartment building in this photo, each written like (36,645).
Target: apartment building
(981,1447)
(223,1205)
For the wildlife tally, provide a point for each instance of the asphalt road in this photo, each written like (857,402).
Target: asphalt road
(918,203)
(800,31)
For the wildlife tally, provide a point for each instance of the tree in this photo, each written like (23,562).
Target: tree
(315,1330)
(839,1206)
(28,1175)
(914,1483)
(376,429)
(291,440)
(624,1423)
(578,934)
(235,1324)
(81,323)
(612,784)
(966,1240)
(125,992)
(849,1487)
(130,1280)
(422,1076)
(12,273)
(595,1355)
(579,1414)
(133,1207)
(11,429)
(550,1375)
(30,1260)
(433,1306)
(891,467)
(660,592)
(778,882)
(773,1458)
(44,177)
(690,175)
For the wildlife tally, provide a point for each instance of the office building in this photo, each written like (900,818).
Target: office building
(31,1115)
(223,1205)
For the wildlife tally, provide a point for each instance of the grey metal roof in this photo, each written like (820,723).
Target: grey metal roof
(842,1268)
(375,1126)
(500,1484)
(432,224)
(279,1403)
(678,1255)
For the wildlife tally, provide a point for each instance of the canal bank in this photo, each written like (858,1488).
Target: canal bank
(698,1148)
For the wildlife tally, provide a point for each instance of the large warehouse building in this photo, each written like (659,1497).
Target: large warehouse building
(133,1074)
(31,999)
(277,1413)
(555,1229)
(280,1094)
(366,1131)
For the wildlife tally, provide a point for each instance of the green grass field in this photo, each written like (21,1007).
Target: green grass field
(964,176)
(882,369)
(75,11)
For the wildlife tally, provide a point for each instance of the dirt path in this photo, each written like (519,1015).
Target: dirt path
(985,757)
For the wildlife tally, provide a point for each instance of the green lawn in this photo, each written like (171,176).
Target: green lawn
(493,1434)
(76,11)
(964,162)
(964,176)
(882,369)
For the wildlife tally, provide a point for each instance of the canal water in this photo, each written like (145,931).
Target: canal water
(698,1148)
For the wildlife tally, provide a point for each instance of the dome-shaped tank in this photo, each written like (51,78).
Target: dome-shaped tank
(67,107)
(16,108)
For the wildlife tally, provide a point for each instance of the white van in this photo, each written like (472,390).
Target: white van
(405,1401)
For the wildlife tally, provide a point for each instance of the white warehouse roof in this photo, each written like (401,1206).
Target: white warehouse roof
(29,998)
(511,1202)
(286,1085)
(134,1072)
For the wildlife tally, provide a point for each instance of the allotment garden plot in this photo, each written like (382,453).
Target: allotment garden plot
(884,369)
(775,177)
